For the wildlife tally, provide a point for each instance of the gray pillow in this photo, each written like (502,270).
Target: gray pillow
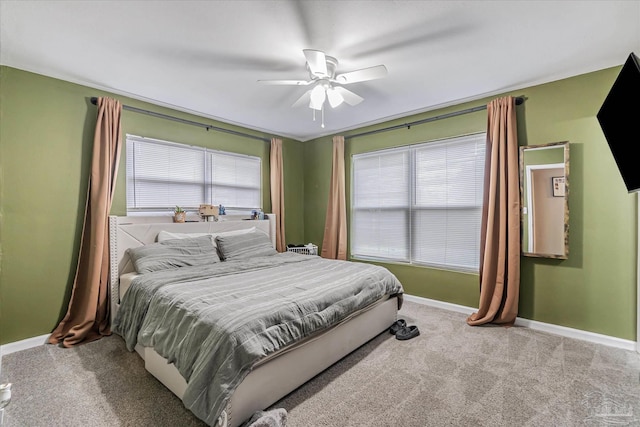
(246,245)
(173,253)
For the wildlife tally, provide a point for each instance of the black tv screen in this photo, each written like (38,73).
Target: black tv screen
(619,119)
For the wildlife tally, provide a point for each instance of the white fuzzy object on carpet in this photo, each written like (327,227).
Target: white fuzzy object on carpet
(272,418)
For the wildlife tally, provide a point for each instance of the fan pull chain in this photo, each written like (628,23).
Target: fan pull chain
(322,115)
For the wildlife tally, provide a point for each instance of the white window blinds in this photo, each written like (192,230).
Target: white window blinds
(161,175)
(380,220)
(420,204)
(234,180)
(447,207)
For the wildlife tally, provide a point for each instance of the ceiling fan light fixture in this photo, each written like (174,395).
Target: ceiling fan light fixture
(335,97)
(322,77)
(318,95)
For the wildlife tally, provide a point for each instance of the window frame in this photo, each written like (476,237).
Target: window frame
(413,209)
(206,184)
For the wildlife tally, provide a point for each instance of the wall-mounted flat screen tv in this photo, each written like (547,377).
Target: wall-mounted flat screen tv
(619,119)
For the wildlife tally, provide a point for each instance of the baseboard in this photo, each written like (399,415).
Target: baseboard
(12,347)
(534,324)
(440,304)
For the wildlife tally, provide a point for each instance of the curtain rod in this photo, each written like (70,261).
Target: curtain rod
(519,100)
(94,101)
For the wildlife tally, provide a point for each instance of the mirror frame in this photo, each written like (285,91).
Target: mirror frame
(524,218)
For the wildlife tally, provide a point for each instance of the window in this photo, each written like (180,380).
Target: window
(161,175)
(420,204)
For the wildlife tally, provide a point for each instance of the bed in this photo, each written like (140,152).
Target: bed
(237,327)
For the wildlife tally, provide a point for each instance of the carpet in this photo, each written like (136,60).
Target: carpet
(451,374)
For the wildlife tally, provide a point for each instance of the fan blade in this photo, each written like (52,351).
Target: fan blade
(285,82)
(303,100)
(362,75)
(348,96)
(317,62)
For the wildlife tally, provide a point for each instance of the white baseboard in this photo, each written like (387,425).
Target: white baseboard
(12,347)
(440,304)
(534,324)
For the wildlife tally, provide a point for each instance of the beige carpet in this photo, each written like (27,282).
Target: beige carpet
(451,375)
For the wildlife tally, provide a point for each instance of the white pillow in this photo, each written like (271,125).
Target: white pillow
(235,232)
(167,235)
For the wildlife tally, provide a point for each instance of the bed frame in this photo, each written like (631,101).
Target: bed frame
(272,378)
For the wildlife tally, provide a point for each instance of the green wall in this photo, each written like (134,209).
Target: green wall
(593,290)
(46,139)
(46,134)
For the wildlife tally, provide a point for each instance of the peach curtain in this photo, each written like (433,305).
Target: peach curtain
(277,192)
(87,317)
(334,243)
(500,232)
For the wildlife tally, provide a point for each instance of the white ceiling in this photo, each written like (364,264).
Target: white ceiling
(205,57)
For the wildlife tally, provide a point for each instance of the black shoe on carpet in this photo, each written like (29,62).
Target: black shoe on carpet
(398,324)
(407,332)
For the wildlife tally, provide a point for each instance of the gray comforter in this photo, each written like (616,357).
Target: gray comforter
(214,322)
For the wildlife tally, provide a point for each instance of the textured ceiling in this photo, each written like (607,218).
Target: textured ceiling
(205,57)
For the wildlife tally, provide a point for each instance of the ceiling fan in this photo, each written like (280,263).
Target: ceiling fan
(327,85)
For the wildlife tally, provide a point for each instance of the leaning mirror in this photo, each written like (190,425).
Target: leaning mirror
(544,190)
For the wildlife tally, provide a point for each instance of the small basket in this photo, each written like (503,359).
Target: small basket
(304,250)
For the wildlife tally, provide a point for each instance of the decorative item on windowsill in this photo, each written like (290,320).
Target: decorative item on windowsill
(221,210)
(257,214)
(209,213)
(179,215)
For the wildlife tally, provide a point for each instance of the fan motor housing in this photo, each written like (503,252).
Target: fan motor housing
(332,64)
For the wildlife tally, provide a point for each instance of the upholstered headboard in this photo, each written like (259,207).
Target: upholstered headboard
(132,231)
